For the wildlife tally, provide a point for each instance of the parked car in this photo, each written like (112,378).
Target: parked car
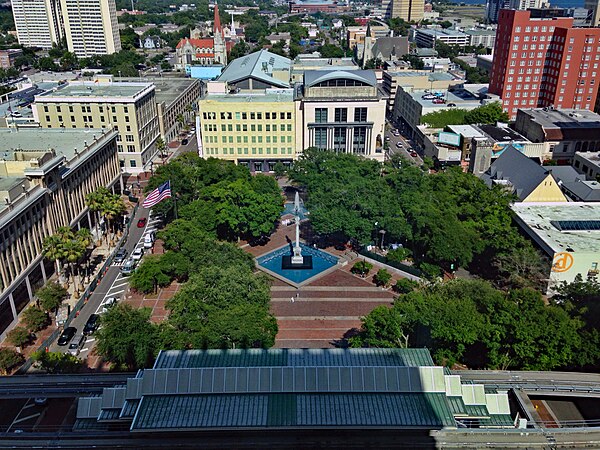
(438,101)
(428,97)
(109,303)
(91,325)
(451,105)
(120,255)
(40,401)
(184,141)
(142,222)
(129,267)
(76,345)
(399,144)
(149,239)
(137,254)
(413,154)
(67,335)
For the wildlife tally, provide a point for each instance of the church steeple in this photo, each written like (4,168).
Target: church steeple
(217,24)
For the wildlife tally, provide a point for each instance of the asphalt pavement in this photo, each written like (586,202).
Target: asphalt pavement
(112,284)
(406,148)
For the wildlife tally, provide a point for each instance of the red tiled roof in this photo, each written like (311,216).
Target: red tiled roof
(197,43)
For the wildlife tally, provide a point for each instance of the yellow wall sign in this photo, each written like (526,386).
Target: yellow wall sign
(562,262)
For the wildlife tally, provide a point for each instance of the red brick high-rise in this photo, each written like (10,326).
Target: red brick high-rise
(544,62)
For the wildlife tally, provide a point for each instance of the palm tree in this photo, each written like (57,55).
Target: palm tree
(112,209)
(161,146)
(84,237)
(95,200)
(53,249)
(73,252)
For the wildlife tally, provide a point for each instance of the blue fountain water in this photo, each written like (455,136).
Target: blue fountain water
(321,262)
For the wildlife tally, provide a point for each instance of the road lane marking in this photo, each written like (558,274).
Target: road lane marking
(22,419)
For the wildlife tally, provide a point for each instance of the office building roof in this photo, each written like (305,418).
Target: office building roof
(259,65)
(437,33)
(582,190)
(562,124)
(314,77)
(65,141)
(544,220)
(466,131)
(88,90)
(167,89)
(480,32)
(501,134)
(267,96)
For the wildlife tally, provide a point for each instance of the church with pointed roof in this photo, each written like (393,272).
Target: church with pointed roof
(205,51)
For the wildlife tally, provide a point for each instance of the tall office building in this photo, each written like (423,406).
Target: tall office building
(594,7)
(88,26)
(38,22)
(409,10)
(493,7)
(91,27)
(544,62)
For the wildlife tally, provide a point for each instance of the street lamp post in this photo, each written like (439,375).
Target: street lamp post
(382,232)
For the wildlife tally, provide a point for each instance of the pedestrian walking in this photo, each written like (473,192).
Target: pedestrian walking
(292,300)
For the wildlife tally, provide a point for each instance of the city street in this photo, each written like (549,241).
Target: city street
(113,284)
(406,148)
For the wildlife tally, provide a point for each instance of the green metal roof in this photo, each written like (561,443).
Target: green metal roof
(284,410)
(499,420)
(359,357)
(259,65)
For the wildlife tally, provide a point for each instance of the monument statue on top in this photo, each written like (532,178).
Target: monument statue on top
(297,260)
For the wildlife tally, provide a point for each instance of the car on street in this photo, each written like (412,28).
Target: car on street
(109,303)
(129,267)
(413,154)
(137,254)
(76,345)
(40,401)
(451,105)
(91,325)
(399,144)
(184,142)
(120,255)
(142,222)
(438,101)
(67,335)
(428,97)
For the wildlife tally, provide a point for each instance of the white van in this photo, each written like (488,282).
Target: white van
(149,239)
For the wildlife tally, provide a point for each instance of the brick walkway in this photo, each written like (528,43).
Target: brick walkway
(327,310)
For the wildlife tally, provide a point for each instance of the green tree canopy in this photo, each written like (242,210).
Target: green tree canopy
(9,359)
(57,362)
(51,295)
(34,319)
(127,337)
(473,323)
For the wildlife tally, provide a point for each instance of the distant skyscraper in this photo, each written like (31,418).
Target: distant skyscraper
(493,7)
(594,7)
(38,22)
(91,27)
(409,10)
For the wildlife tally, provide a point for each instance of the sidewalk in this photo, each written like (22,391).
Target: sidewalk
(98,256)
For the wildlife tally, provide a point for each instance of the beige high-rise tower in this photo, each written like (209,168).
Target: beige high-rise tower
(91,27)
(409,10)
(38,22)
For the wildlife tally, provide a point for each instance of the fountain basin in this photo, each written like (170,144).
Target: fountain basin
(272,262)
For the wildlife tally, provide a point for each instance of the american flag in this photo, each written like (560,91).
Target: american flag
(158,195)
